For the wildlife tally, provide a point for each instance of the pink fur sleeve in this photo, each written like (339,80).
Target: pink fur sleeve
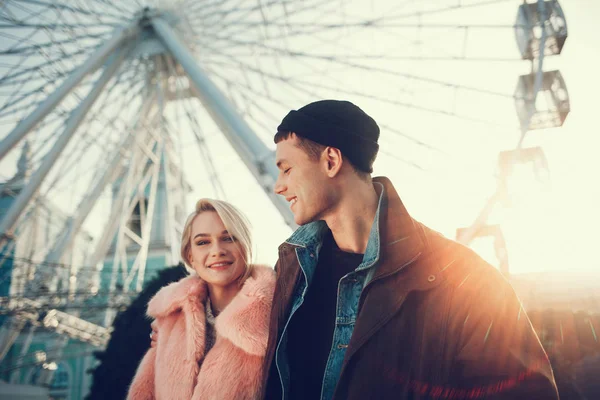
(142,387)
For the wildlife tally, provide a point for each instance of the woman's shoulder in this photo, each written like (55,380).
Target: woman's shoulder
(261,281)
(174,296)
(263,271)
(245,321)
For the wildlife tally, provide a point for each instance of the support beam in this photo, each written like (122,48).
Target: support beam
(256,155)
(133,174)
(28,193)
(9,332)
(469,233)
(119,200)
(147,213)
(24,351)
(148,217)
(540,72)
(87,204)
(89,66)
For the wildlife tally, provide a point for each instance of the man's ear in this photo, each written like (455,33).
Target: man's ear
(334,160)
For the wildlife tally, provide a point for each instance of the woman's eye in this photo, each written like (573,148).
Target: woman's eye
(201,243)
(286,171)
(229,239)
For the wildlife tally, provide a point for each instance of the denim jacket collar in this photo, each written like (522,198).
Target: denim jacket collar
(311,235)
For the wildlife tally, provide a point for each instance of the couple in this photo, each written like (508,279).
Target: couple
(367,303)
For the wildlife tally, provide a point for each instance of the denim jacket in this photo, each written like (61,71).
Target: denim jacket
(309,239)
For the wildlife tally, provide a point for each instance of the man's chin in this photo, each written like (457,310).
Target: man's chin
(299,220)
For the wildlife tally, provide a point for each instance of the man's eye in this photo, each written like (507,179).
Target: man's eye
(286,171)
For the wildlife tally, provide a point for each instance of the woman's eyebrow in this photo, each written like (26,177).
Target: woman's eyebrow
(225,232)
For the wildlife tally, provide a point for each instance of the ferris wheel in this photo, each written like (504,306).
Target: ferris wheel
(112,112)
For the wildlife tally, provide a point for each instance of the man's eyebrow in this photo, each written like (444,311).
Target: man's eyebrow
(282,161)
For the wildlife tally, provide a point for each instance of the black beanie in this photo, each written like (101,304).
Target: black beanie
(338,124)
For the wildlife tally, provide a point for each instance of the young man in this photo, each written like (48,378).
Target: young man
(371,304)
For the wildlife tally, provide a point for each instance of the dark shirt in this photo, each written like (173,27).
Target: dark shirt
(310,332)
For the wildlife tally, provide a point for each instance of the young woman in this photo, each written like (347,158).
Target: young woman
(212,326)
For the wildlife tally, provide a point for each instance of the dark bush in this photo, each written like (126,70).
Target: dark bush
(129,342)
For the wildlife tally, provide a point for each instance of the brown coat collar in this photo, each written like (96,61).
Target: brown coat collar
(412,257)
(404,241)
(400,238)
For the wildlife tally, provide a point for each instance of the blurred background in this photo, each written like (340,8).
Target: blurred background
(116,117)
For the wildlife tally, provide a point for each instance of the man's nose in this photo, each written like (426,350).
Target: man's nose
(279,187)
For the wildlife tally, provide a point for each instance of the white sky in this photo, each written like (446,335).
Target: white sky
(560,231)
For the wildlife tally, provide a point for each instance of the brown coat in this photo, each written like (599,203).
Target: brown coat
(435,322)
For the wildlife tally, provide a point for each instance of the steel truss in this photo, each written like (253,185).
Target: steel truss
(145,151)
(542,16)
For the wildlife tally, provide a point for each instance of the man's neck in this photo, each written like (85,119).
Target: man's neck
(351,222)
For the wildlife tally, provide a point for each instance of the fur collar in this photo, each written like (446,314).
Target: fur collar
(239,322)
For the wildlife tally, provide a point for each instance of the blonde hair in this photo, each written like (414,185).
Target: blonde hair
(235,222)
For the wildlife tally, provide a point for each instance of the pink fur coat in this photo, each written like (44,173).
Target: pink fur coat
(178,368)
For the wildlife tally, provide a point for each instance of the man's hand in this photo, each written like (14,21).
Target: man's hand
(153,335)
